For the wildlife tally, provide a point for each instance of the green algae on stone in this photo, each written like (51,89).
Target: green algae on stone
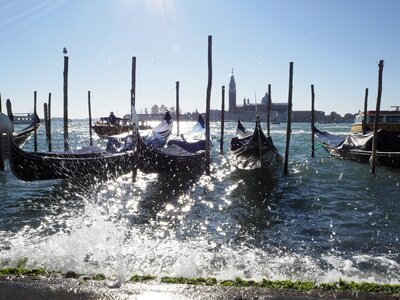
(368,287)
(99,277)
(22,272)
(138,278)
(193,281)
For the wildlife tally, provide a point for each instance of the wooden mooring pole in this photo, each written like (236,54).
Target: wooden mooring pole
(289,120)
(364,121)
(312,121)
(376,121)
(269,111)
(221,143)
(177,107)
(46,123)
(208,105)
(65,89)
(9,110)
(49,122)
(135,131)
(133,83)
(35,114)
(90,121)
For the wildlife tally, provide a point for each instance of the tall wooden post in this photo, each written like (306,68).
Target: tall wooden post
(269,111)
(46,123)
(177,107)
(90,121)
(208,105)
(35,114)
(312,121)
(65,88)
(289,120)
(221,145)
(49,121)
(133,83)
(364,121)
(376,121)
(135,131)
(9,110)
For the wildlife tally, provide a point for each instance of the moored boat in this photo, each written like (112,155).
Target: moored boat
(173,156)
(107,126)
(90,161)
(358,146)
(253,150)
(389,120)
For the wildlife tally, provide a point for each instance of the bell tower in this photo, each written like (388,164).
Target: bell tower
(232,94)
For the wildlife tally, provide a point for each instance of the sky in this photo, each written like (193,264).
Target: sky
(334,44)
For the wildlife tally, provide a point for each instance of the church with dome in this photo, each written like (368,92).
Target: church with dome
(246,110)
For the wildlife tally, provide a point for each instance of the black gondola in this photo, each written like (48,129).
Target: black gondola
(358,147)
(185,154)
(91,161)
(254,150)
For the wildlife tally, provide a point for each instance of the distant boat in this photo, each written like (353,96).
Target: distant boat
(105,127)
(23,118)
(20,137)
(143,125)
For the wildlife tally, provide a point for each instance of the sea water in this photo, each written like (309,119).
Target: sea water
(328,219)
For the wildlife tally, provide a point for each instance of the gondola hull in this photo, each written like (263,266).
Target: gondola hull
(255,150)
(170,160)
(255,155)
(30,166)
(106,130)
(383,157)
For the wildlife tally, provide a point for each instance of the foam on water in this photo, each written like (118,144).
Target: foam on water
(93,242)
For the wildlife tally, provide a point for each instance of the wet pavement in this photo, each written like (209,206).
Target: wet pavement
(23,288)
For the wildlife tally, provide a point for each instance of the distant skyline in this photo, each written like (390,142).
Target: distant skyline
(334,44)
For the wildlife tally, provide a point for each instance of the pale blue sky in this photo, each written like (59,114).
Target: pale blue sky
(334,44)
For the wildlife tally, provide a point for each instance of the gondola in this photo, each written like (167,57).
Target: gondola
(253,150)
(21,136)
(179,155)
(358,147)
(91,161)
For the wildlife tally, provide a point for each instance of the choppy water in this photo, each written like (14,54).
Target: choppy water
(328,219)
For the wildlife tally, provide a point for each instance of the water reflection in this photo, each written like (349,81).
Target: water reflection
(253,206)
(164,196)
